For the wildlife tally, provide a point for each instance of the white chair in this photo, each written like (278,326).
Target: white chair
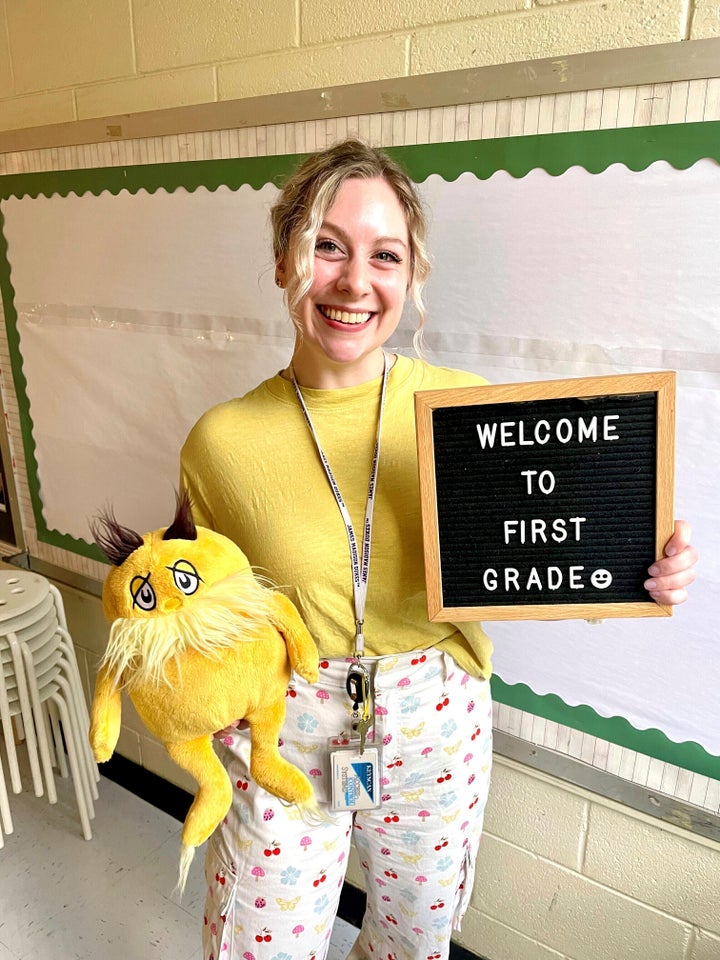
(41,692)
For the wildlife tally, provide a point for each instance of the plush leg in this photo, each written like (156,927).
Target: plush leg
(267,767)
(214,796)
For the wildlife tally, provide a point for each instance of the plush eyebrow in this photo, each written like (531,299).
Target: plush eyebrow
(380,241)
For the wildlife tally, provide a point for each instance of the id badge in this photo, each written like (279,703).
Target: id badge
(355,777)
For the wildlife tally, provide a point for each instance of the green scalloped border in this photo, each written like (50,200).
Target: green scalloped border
(651,742)
(680,145)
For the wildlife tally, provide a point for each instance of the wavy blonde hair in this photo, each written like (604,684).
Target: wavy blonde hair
(309,193)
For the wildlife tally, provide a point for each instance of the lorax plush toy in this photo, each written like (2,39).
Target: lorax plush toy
(198,643)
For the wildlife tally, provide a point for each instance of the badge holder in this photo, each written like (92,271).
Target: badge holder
(355,767)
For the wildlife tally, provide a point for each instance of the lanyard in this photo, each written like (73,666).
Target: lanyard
(360,563)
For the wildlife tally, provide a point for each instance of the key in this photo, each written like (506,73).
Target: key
(363,725)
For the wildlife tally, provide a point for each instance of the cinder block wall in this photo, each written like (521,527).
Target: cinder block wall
(563,874)
(66,60)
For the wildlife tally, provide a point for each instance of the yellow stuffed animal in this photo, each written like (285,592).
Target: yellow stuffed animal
(197,642)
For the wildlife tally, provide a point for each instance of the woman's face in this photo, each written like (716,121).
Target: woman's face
(360,279)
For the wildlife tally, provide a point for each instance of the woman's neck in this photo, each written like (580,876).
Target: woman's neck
(325,375)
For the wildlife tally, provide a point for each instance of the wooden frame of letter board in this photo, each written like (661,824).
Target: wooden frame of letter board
(663,384)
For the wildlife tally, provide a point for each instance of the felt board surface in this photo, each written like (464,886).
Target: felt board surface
(580,527)
(539,502)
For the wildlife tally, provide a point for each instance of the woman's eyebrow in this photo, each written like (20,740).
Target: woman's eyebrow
(334,228)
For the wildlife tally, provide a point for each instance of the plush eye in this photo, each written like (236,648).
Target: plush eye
(142,593)
(186,577)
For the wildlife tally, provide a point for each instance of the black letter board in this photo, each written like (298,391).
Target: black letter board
(546,500)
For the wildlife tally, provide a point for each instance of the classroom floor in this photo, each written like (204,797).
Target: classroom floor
(65,898)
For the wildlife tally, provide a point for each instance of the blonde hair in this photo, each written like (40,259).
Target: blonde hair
(309,193)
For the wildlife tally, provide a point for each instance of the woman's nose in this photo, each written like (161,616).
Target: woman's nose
(355,278)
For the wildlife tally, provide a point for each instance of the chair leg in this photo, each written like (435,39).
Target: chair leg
(49,735)
(39,723)
(26,713)
(19,728)
(74,736)
(58,739)
(80,795)
(5,817)
(72,675)
(9,736)
(68,648)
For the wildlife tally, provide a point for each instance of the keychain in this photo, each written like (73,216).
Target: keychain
(355,767)
(358,688)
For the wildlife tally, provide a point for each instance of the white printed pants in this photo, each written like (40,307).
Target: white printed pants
(274,881)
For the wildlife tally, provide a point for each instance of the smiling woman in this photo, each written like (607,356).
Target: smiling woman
(290,472)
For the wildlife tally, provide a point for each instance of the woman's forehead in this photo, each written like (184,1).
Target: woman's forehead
(369,205)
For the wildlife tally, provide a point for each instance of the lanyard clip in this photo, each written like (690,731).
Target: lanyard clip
(357,684)
(359,640)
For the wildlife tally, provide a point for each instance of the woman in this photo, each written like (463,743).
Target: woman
(303,472)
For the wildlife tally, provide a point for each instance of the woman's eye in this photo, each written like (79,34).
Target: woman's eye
(387,256)
(142,593)
(326,246)
(185,576)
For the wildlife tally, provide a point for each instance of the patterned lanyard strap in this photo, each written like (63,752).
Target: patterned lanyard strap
(360,563)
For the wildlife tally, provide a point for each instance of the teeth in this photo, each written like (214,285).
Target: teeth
(342,316)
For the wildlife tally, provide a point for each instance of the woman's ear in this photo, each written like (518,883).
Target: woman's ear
(280,274)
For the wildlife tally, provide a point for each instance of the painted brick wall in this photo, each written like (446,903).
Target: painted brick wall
(66,60)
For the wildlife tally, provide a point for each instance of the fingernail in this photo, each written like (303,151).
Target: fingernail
(671,551)
(650,584)
(653,571)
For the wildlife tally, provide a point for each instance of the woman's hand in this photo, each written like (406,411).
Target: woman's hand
(675,572)
(228,731)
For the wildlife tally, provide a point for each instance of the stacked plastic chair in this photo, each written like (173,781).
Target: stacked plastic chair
(41,696)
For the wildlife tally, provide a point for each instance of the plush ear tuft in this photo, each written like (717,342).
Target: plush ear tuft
(115,541)
(183,526)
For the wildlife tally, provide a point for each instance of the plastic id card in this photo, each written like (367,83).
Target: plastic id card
(355,778)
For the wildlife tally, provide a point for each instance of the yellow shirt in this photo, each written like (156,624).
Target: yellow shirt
(254,475)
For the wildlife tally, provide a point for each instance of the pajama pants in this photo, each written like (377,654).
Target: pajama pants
(274,880)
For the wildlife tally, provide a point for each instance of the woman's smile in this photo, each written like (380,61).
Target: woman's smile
(344,316)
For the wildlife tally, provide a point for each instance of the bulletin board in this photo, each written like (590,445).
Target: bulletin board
(573,234)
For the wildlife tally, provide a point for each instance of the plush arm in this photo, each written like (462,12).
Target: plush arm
(300,645)
(105,716)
